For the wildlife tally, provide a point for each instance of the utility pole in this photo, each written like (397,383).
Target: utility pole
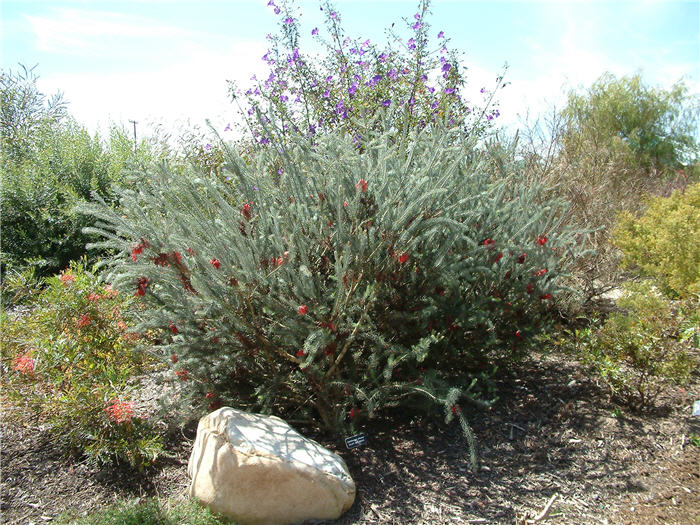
(134,123)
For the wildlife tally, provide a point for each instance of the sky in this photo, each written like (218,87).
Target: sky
(167,63)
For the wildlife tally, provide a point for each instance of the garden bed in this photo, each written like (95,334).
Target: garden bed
(553,431)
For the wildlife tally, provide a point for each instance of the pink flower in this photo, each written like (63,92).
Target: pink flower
(120,411)
(67,278)
(84,320)
(24,364)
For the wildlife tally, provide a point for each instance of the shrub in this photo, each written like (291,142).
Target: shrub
(641,349)
(348,282)
(70,358)
(664,242)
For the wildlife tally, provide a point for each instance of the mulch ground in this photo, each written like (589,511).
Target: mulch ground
(551,434)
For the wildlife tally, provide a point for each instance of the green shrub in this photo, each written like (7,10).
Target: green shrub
(639,351)
(70,358)
(349,282)
(148,512)
(664,243)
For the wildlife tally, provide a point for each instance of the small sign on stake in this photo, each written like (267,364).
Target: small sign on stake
(696,408)
(356,441)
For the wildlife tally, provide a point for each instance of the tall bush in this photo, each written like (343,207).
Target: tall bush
(348,281)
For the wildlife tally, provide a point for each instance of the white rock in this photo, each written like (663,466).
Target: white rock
(257,470)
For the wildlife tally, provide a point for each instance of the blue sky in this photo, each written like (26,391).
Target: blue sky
(160,61)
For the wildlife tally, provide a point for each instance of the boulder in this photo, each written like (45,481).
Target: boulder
(257,470)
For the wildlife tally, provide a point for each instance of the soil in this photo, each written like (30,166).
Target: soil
(552,434)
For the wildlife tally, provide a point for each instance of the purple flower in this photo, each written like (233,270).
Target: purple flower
(416,26)
(357,139)
(489,117)
(365,43)
(446,68)
(284,98)
(392,74)
(424,77)
(374,80)
(411,44)
(298,99)
(386,103)
(280,171)
(277,10)
(443,50)
(264,140)
(255,188)
(312,129)
(431,89)
(329,78)
(327,93)
(334,15)
(441,34)
(382,58)
(207,147)
(314,31)
(251,110)
(411,101)
(435,104)
(270,3)
(288,20)
(339,107)
(448,91)
(482,90)
(228,127)
(416,16)
(352,89)
(353,51)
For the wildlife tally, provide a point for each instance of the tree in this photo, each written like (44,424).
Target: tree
(656,127)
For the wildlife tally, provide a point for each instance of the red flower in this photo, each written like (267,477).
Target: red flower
(521,259)
(245,211)
(84,320)
(174,358)
(488,242)
(136,251)
(361,185)
(455,409)
(546,296)
(345,204)
(190,251)
(142,283)
(215,263)
(540,273)
(209,395)
(120,411)
(301,353)
(518,333)
(403,257)
(541,240)
(177,256)
(303,309)
(497,258)
(354,412)
(93,297)
(280,260)
(24,364)
(67,278)
(173,328)
(182,374)
(215,405)
(530,288)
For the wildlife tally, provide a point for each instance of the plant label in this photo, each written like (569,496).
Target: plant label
(356,441)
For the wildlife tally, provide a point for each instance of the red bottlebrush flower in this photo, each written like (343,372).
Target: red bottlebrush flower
(177,256)
(488,242)
(24,364)
(455,409)
(301,353)
(521,258)
(136,251)
(174,358)
(345,204)
(497,258)
(280,260)
(541,240)
(209,395)
(67,278)
(215,340)
(403,257)
(173,328)
(354,412)
(215,263)
(546,296)
(540,273)
(93,297)
(84,320)
(440,290)
(303,309)
(245,210)
(361,185)
(190,252)
(518,333)
(508,274)
(530,288)
(120,411)
(182,374)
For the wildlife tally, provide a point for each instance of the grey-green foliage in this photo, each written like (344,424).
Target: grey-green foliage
(414,288)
